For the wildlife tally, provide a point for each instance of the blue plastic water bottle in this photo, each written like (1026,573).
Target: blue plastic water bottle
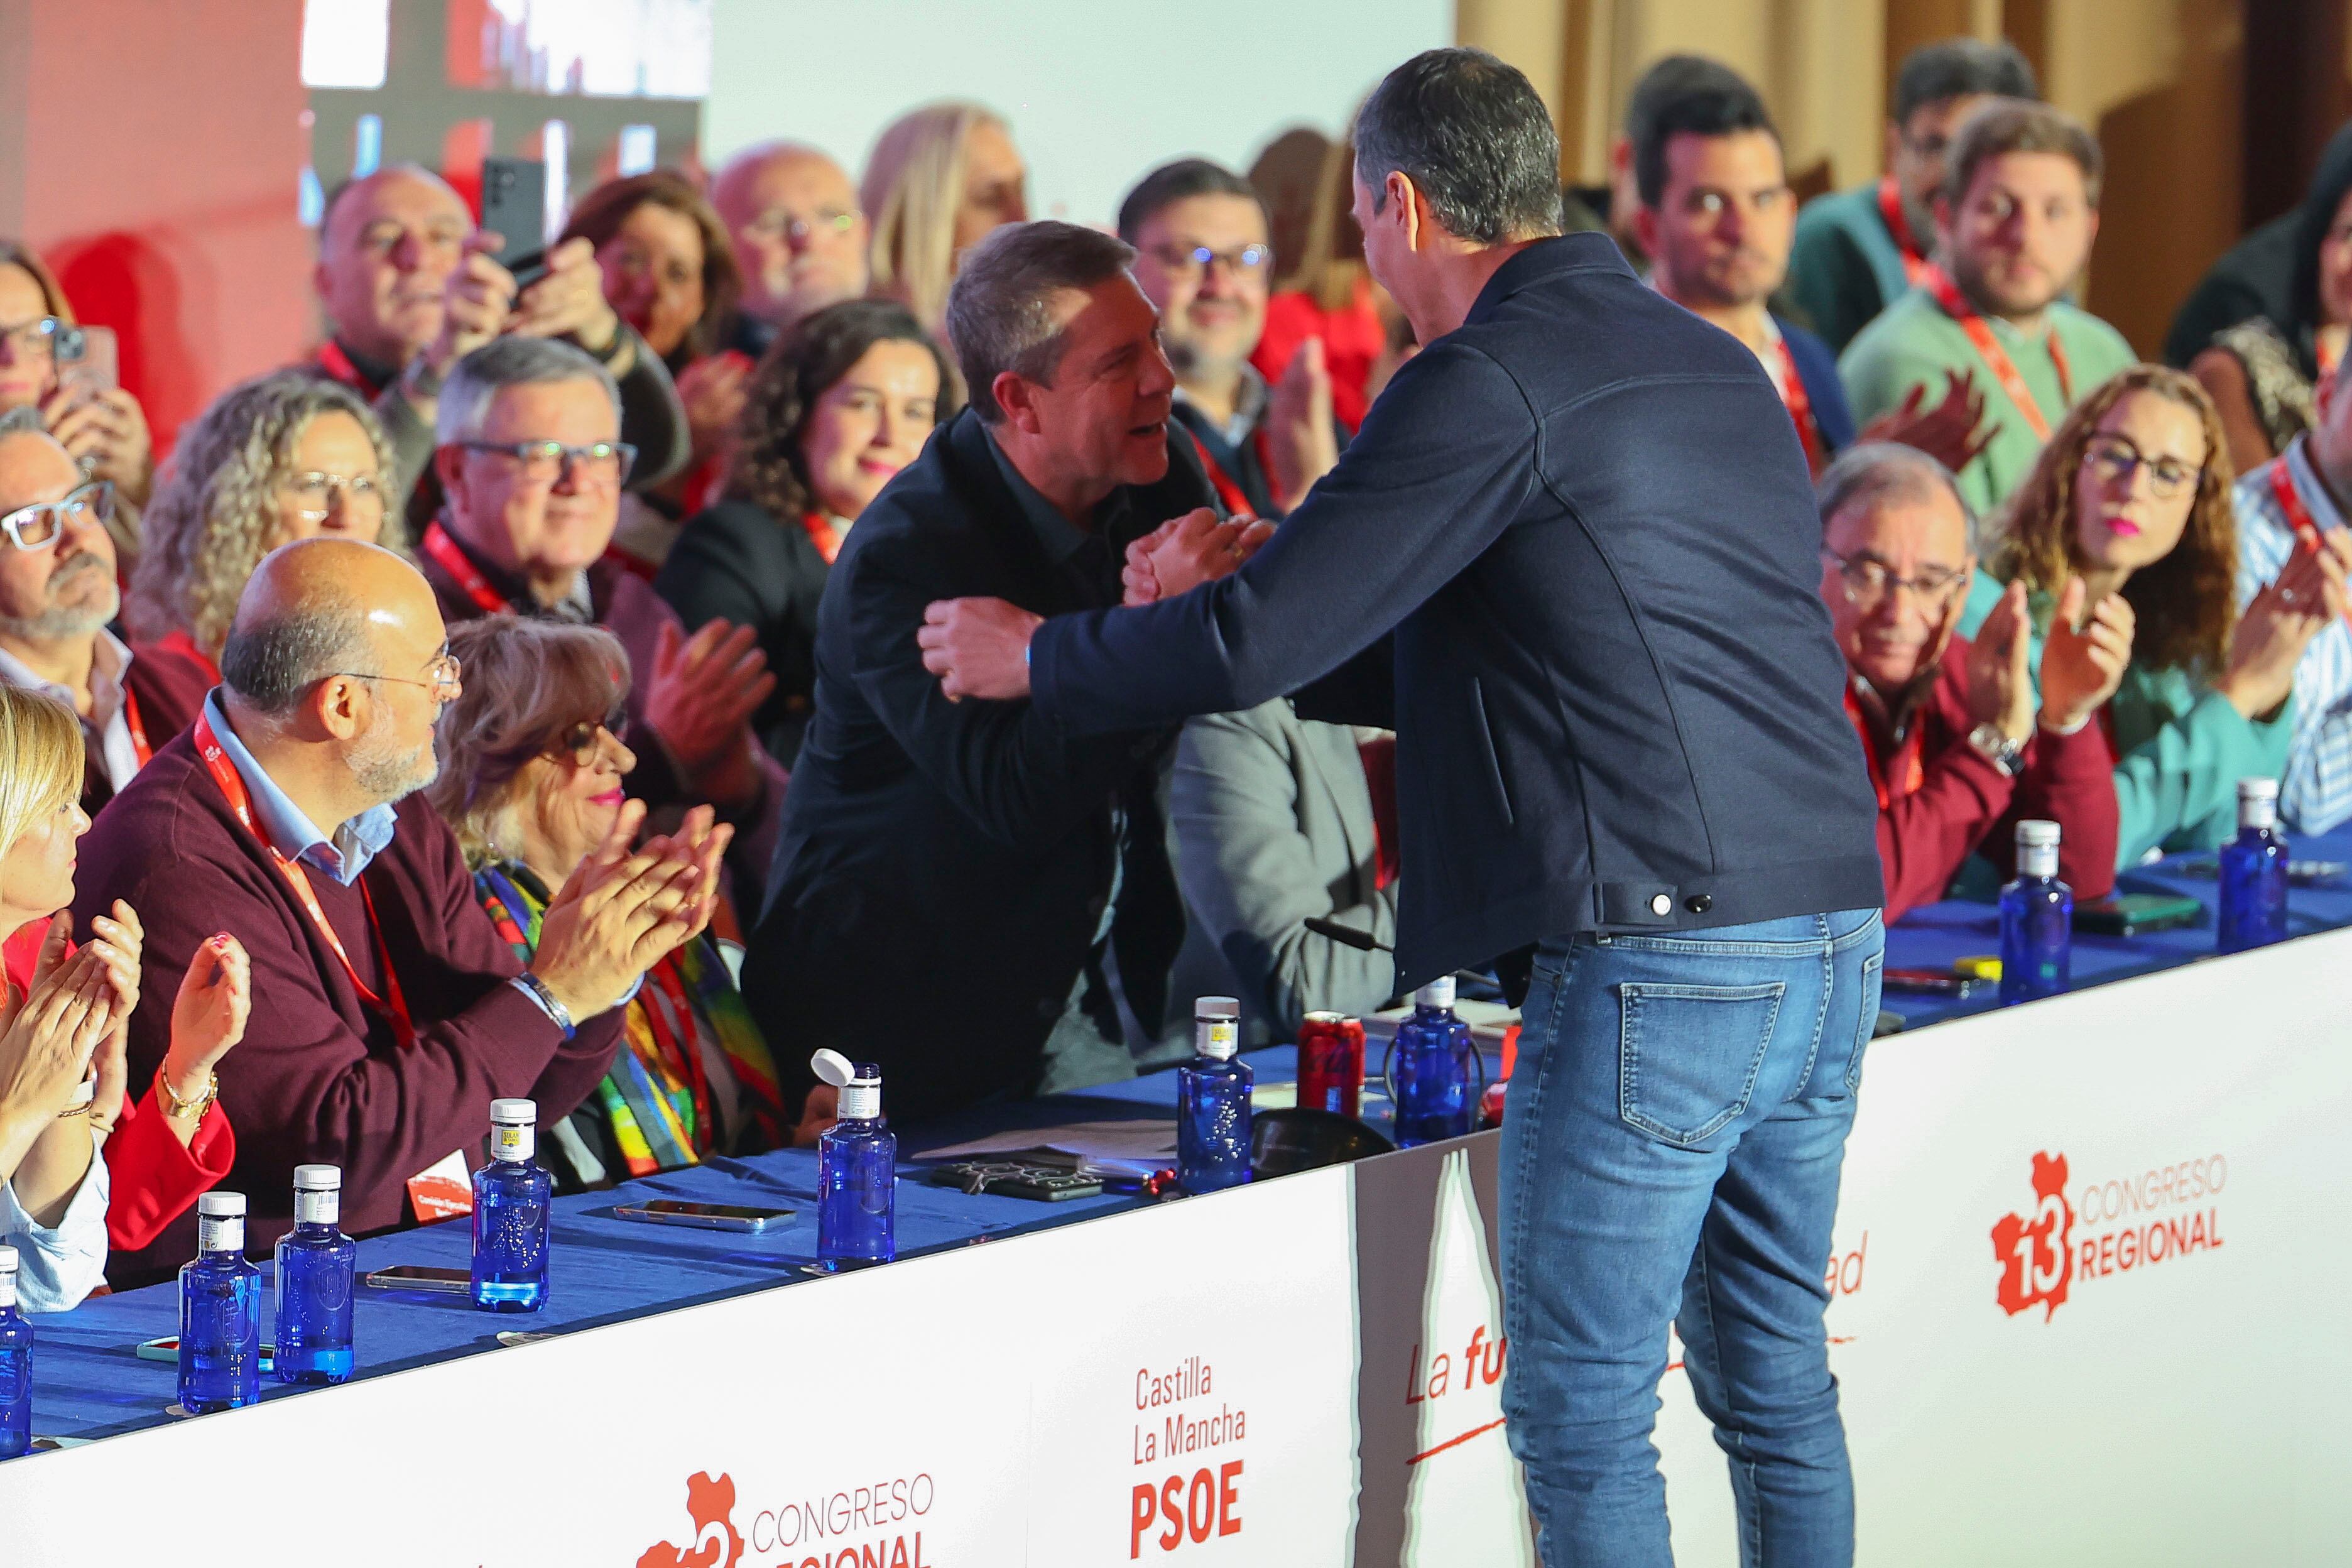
(1213,1101)
(1431,1063)
(313,1321)
(2253,873)
(2037,919)
(856,1169)
(510,1214)
(15,1364)
(220,1312)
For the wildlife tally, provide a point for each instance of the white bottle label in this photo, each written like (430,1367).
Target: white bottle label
(513,1142)
(860,1101)
(1219,1037)
(2257,812)
(8,1289)
(220,1233)
(319,1208)
(2037,860)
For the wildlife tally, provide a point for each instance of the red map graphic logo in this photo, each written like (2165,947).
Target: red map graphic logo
(710,1504)
(2034,1249)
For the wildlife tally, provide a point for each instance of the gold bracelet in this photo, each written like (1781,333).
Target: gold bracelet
(187,1110)
(82,1110)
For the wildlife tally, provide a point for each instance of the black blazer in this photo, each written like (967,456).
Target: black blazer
(738,563)
(1586,518)
(943,865)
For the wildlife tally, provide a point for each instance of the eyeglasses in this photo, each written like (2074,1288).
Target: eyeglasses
(2117,458)
(40,337)
(792,227)
(1868,582)
(584,742)
(545,462)
(440,675)
(1188,262)
(320,496)
(37,526)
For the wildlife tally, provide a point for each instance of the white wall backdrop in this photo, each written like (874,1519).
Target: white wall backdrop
(1097,90)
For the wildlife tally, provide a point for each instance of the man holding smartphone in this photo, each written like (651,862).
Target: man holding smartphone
(410,287)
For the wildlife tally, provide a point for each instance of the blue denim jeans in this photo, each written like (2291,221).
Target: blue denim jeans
(1670,1153)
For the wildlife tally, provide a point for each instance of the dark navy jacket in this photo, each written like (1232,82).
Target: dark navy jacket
(1817,369)
(1586,517)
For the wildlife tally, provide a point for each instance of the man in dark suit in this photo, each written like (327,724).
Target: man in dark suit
(956,885)
(1585,516)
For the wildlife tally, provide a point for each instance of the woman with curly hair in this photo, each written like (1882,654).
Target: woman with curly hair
(274,459)
(2131,498)
(836,407)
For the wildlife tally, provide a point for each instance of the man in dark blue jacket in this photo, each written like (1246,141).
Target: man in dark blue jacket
(1585,516)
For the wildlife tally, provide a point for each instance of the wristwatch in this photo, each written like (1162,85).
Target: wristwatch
(1993,744)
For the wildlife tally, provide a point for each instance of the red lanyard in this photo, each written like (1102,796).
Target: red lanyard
(339,367)
(1237,503)
(392,1006)
(139,746)
(1898,224)
(2325,356)
(822,534)
(1996,358)
(1801,408)
(2299,520)
(1907,755)
(181,643)
(452,560)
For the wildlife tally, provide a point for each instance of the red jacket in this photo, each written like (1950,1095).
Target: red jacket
(1939,799)
(1353,342)
(155,1179)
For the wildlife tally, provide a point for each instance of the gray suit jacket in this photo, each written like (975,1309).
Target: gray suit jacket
(1270,822)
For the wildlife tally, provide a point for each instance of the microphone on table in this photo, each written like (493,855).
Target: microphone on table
(1361,941)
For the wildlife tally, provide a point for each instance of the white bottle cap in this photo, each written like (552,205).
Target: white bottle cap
(514,1113)
(1216,1028)
(2257,803)
(860,1084)
(2034,832)
(220,1221)
(317,1178)
(2257,789)
(1438,993)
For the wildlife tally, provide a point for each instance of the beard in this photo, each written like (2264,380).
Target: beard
(1998,299)
(386,772)
(57,622)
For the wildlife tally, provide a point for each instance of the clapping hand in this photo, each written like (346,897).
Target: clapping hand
(2000,689)
(208,1017)
(2273,630)
(621,911)
(49,1038)
(2084,656)
(1299,438)
(1953,432)
(699,701)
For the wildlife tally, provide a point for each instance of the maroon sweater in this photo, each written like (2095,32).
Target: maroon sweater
(1959,803)
(319,1075)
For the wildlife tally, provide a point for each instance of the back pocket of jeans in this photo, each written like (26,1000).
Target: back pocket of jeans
(1689,1055)
(1873,983)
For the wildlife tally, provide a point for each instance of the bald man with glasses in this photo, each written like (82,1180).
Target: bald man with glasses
(1958,751)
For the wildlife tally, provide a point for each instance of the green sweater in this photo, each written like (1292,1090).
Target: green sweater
(1844,266)
(1913,343)
(2181,747)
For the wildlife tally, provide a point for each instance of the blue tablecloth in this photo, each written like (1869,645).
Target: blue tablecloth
(88,1382)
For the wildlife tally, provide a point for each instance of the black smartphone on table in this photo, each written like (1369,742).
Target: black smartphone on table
(2131,914)
(704,1216)
(415,1277)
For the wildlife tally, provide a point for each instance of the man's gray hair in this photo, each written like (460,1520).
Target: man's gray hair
(511,362)
(270,664)
(1877,472)
(1000,306)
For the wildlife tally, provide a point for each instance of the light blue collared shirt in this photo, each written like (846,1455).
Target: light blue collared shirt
(293,835)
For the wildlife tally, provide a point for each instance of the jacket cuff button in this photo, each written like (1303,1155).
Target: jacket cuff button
(1698,904)
(1662,906)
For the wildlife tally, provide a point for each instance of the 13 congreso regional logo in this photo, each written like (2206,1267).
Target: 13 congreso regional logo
(2034,1249)
(710,1504)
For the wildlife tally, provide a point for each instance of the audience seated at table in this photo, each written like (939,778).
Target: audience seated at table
(840,404)
(2263,370)
(1859,250)
(2014,222)
(530,783)
(61,1203)
(2287,508)
(388,1013)
(106,431)
(939,179)
(409,288)
(801,240)
(531,467)
(279,457)
(957,884)
(1203,260)
(58,593)
(669,271)
(2132,496)
(1958,748)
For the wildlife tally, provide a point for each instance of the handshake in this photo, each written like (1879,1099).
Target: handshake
(979,647)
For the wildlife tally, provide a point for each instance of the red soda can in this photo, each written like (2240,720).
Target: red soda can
(1331,1062)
